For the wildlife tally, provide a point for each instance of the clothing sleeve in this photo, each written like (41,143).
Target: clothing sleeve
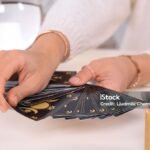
(86,23)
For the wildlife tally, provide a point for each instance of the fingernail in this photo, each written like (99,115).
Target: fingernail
(74,80)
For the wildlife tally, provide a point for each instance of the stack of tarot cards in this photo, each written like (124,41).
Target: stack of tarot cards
(61,100)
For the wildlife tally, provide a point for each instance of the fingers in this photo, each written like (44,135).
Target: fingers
(3,104)
(5,75)
(8,65)
(85,75)
(27,87)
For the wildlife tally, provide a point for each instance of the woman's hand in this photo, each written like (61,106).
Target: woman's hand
(114,73)
(34,67)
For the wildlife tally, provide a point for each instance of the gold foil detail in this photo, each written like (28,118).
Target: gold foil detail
(75,98)
(65,106)
(51,108)
(78,111)
(66,82)
(51,100)
(113,108)
(34,117)
(57,77)
(102,110)
(92,110)
(69,96)
(69,73)
(43,105)
(28,110)
(69,112)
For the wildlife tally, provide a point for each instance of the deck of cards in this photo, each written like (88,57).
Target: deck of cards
(61,100)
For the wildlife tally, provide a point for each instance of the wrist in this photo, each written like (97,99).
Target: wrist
(50,45)
(130,70)
(142,62)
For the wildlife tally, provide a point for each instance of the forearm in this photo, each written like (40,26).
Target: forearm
(51,46)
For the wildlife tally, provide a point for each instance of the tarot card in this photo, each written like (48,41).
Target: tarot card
(35,99)
(66,109)
(61,77)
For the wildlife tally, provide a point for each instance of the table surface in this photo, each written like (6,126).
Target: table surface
(123,133)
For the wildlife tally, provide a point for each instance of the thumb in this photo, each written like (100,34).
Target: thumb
(83,76)
(26,88)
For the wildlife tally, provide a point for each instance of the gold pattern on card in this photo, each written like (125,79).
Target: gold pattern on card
(65,106)
(34,117)
(51,108)
(68,73)
(43,105)
(28,110)
(102,110)
(113,108)
(78,111)
(51,100)
(69,112)
(66,82)
(69,96)
(57,77)
(92,110)
(75,98)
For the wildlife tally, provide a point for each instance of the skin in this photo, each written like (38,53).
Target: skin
(109,73)
(36,65)
(116,73)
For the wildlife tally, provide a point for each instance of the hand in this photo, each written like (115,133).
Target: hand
(34,73)
(114,73)
(34,67)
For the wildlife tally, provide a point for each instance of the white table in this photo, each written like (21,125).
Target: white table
(123,133)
